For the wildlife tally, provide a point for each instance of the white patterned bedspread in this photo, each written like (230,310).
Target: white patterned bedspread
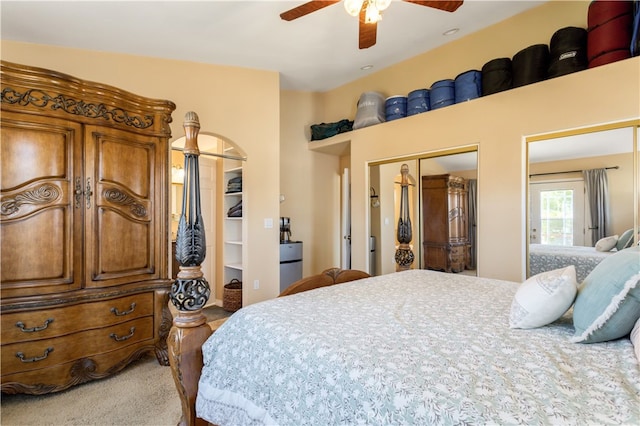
(546,257)
(411,348)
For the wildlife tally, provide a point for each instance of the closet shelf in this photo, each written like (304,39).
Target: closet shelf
(237,266)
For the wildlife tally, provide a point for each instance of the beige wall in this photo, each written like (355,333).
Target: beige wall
(239,104)
(310,184)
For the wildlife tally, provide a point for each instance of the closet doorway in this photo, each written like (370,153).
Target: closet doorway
(220,160)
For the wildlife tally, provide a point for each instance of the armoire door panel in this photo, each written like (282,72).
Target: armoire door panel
(36,255)
(125,158)
(36,153)
(435,210)
(122,225)
(132,241)
(40,249)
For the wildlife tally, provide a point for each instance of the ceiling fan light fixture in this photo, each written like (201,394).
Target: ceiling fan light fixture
(353,6)
(372,14)
(381,4)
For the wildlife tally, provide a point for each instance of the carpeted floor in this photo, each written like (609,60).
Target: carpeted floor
(142,394)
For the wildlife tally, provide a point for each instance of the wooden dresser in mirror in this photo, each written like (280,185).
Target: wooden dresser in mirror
(445,239)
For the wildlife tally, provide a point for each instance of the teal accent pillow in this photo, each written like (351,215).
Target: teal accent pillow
(608,301)
(625,240)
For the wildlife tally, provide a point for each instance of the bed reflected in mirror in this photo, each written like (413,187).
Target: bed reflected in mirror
(442,208)
(582,205)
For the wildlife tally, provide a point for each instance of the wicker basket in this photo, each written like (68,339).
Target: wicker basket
(232,296)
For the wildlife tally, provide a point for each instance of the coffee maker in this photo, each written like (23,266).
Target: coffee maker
(285,230)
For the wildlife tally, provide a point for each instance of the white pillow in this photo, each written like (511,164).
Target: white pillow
(635,339)
(544,298)
(606,243)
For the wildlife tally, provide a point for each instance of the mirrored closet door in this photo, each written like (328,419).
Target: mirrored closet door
(442,206)
(582,189)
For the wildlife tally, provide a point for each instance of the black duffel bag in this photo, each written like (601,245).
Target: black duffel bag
(326,130)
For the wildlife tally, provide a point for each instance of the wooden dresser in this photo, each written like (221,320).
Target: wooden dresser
(83,227)
(445,240)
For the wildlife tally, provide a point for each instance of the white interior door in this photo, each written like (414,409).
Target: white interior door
(557,213)
(208,204)
(345,220)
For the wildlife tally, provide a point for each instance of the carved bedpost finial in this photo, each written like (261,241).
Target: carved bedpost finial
(190,292)
(404,255)
(191,128)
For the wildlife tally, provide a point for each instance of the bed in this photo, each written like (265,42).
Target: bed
(546,257)
(413,347)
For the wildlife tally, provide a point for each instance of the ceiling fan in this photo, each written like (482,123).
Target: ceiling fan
(368,11)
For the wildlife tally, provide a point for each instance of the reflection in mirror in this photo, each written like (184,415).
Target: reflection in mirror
(383,208)
(384,211)
(449,203)
(580,198)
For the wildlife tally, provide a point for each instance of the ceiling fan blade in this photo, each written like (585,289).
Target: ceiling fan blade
(306,8)
(447,6)
(366,32)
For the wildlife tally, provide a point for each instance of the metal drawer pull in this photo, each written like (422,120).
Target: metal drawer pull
(21,326)
(35,358)
(119,314)
(117,338)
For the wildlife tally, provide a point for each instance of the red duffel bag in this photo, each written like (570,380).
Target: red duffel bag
(612,35)
(601,11)
(608,57)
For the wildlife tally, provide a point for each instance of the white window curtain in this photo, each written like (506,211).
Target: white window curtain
(597,190)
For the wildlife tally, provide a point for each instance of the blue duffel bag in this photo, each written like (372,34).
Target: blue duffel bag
(442,94)
(468,85)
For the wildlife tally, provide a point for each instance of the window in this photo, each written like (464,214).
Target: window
(556,217)
(557,213)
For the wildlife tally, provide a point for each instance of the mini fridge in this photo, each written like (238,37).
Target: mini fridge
(290,263)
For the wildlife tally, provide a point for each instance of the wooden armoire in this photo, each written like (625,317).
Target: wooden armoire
(83,228)
(445,239)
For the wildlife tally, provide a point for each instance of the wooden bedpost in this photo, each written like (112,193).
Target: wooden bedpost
(404,255)
(190,291)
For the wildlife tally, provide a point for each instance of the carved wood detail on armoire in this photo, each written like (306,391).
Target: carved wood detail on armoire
(445,238)
(84,229)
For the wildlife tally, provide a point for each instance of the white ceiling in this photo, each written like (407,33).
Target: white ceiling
(317,52)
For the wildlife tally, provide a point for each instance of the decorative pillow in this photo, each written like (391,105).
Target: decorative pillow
(608,301)
(543,298)
(607,243)
(625,240)
(635,339)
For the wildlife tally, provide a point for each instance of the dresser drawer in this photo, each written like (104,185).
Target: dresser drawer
(47,323)
(62,376)
(26,356)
